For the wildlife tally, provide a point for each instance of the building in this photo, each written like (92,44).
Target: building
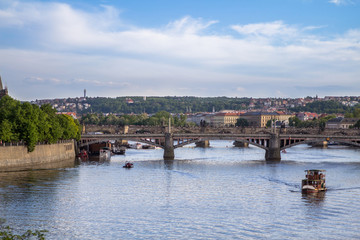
(224,119)
(304,116)
(199,117)
(72,114)
(260,119)
(3,91)
(129,101)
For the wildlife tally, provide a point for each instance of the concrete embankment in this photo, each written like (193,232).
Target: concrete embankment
(17,158)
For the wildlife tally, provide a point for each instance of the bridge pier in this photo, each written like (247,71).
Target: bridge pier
(203,144)
(272,153)
(169,147)
(240,144)
(322,144)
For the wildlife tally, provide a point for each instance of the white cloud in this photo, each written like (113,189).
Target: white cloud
(40,80)
(277,28)
(240,89)
(97,49)
(341,2)
(188,25)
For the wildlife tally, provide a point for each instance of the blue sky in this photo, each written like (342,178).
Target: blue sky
(257,48)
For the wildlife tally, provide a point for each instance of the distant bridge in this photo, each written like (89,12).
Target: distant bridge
(272,143)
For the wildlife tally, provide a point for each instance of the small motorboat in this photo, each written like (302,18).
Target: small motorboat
(128,165)
(83,155)
(314,181)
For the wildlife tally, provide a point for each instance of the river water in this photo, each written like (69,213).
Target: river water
(220,192)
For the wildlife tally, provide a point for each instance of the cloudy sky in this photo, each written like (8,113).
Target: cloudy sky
(249,48)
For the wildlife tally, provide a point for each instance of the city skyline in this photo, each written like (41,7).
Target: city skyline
(56,49)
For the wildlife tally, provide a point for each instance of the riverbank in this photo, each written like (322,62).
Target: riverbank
(47,156)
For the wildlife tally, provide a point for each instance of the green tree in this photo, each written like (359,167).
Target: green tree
(28,122)
(269,123)
(7,233)
(357,124)
(6,134)
(353,114)
(242,122)
(294,121)
(70,126)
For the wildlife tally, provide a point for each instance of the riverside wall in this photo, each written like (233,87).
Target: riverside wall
(48,156)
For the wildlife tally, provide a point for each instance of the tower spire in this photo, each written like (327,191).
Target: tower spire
(1,86)
(3,91)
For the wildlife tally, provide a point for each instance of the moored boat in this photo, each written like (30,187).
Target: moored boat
(314,181)
(83,155)
(105,153)
(118,150)
(128,165)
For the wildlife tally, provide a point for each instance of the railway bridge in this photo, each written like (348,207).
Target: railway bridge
(272,143)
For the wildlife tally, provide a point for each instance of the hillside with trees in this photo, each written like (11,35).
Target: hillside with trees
(159,119)
(28,123)
(169,104)
(324,107)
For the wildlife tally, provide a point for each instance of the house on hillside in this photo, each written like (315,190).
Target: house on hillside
(304,116)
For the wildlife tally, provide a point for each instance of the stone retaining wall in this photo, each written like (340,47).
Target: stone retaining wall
(17,158)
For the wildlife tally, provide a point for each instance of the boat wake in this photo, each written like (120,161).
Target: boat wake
(342,189)
(281,182)
(184,174)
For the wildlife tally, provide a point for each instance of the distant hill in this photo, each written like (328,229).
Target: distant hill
(153,105)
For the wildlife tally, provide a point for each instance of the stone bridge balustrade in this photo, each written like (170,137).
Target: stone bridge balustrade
(272,143)
(134,129)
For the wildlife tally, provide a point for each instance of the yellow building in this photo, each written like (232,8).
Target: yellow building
(259,119)
(224,119)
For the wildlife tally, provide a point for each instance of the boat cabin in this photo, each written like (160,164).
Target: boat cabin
(314,181)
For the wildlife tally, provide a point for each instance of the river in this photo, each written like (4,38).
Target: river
(220,192)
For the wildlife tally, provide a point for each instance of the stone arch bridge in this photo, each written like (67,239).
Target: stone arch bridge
(272,143)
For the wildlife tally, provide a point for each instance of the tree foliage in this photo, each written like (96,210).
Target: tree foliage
(31,124)
(7,233)
(242,122)
(355,113)
(314,123)
(154,105)
(323,107)
(159,119)
(357,124)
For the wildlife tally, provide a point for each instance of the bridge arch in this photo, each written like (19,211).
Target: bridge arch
(345,142)
(212,138)
(252,143)
(299,143)
(92,141)
(352,143)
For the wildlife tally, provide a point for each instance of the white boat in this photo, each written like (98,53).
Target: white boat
(105,153)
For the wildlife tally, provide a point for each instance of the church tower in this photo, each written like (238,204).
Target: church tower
(3,91)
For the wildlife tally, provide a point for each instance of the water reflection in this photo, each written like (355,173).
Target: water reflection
(29,195)
(93,160)
(314,198)
(214,193)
